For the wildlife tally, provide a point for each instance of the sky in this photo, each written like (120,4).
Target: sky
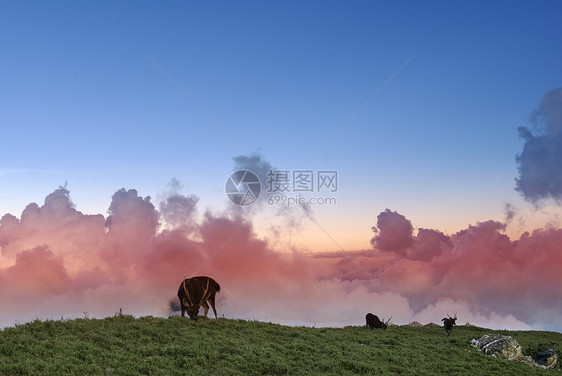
(122,123)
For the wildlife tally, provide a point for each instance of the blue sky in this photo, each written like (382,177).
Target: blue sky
(83,101)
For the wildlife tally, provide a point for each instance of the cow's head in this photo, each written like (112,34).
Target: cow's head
(192,310)
(453,319)
(385,324)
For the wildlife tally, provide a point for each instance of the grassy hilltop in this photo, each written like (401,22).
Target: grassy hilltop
(123,345)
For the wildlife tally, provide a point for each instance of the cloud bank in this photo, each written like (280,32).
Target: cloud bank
(58,262)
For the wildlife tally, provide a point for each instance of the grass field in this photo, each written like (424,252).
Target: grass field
(124,345)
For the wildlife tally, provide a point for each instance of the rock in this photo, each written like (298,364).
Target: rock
(415,324)
(504,347)
(547,358)
(468,324)
(432,325)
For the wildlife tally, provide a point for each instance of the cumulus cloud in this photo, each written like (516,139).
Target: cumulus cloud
(176,209)
(59,262)
(540,162)
(507,280)
(429,244)
(255,163)
(36,272)
(282,218)
(55,254)
(394,232)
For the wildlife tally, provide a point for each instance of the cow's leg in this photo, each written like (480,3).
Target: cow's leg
(182,309)
(212,302)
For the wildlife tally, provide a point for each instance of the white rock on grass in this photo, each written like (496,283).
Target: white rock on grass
(506,347)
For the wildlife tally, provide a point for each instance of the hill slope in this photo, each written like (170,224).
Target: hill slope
(123,345)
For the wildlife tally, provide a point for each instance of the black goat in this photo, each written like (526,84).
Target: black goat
(448,323)
(373,321)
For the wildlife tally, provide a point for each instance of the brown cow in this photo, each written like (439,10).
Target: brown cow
(196,292)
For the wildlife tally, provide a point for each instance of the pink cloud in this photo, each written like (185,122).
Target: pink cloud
(58,261)
(394,232)
(36,273)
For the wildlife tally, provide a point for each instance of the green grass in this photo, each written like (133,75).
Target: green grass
(123,345)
